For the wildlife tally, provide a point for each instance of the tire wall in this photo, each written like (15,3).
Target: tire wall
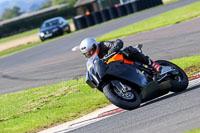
(84,21)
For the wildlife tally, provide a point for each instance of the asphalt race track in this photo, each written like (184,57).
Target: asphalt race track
(174,113)
(53,61)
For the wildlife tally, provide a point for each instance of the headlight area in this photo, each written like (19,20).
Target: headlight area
(41,34)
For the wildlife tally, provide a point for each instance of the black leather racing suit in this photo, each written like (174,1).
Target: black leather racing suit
(131,53)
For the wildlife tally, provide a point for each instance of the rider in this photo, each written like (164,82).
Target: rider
(89,46)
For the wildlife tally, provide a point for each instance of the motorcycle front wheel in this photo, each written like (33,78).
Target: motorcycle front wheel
(128,101)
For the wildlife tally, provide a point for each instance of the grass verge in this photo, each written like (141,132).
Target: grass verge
(191,64)
(40,108)
(194,131)
(43,107)
(165,19)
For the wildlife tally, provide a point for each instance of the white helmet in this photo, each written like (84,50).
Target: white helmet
(88,46)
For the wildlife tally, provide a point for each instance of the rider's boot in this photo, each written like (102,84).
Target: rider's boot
(137,55)
(161,70)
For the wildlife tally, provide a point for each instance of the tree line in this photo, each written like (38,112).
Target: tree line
(11,13)
(15,11)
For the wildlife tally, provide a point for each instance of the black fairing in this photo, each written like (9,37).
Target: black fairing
(100,68)
(89,81)
(126,72)
(99,72)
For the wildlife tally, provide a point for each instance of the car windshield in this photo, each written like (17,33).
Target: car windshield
(50,23)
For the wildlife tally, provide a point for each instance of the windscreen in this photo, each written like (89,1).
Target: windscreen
(50,23)
(91,61)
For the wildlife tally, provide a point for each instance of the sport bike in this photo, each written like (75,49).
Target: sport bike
(127,84)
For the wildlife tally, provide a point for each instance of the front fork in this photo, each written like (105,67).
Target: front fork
(122,90)
(120,87)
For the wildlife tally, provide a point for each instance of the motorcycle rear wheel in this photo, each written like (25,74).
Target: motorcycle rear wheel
(111,95)
(180,82)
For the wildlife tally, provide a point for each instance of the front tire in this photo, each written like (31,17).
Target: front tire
(42,39)
(69,29)
(111,95)
(179,82)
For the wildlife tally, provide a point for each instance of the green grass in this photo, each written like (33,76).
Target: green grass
(168,18)
(194,131)
(187,62)
(44,107)
(27,33)
(70,21)
(191,65)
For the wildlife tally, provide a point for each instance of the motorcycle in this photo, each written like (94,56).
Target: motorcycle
(127,84)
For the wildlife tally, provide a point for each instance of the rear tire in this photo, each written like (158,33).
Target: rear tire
(180,82)
(110,94)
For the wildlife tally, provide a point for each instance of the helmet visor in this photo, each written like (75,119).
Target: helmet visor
(89,53)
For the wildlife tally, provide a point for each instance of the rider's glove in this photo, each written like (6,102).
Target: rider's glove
(126,52)
(118,44)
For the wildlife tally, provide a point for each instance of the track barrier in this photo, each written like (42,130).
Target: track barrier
(84,21)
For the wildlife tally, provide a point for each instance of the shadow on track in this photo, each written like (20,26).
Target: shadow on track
(24,79)
(5,76)
(197,86)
